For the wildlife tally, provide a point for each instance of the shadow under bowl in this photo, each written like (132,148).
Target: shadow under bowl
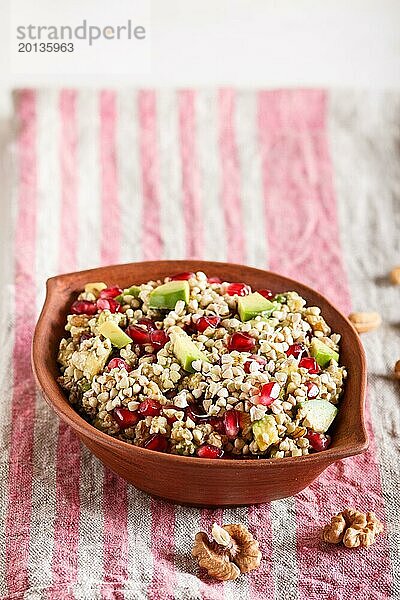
(188,480)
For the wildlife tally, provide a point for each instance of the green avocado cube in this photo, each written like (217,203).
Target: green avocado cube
(167,295)
(134,291)
(103,317)
(281,298)
(185,349)
(265,432)
(114,333)
(322,353)
(255,304)
(319,414)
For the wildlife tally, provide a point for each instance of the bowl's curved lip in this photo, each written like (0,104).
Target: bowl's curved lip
(66,412)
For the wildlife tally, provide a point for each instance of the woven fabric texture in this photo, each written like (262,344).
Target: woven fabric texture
(304,182)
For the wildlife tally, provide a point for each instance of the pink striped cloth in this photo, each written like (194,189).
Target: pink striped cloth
(303,182)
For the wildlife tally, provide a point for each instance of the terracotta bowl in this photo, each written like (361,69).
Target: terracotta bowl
(186,480)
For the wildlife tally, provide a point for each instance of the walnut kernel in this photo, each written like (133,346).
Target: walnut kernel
(397,369)
(353,528)
(395,276)
(365,321)
(333,532)
(232,551)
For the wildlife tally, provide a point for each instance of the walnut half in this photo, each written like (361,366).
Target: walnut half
(353,528)
(232,551)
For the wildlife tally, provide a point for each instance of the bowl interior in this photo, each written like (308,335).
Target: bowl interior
(349,434)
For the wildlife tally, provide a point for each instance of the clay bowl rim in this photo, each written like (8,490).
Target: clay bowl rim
(55,397)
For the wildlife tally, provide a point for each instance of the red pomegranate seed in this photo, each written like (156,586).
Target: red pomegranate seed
(173,418)
(297,350)
(125,417)
(318,441)
(217,423)
(209,451)
(310,364)
(156,442)
(149,408)
(312,389)
(214,280)
(266,293)
(158,339)
(189,414)
(138,334)
(204,322)
(114,305)
(83,307)
(231,423)
(148,323)
(118,363)
(240,289)
(190,328)
(196,416)
(254,358)
(111,292)
(269,392)
(86,335)
(182,276)
(108,304)
(242,342)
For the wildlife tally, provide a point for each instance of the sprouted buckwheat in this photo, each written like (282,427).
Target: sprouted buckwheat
(199,367)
